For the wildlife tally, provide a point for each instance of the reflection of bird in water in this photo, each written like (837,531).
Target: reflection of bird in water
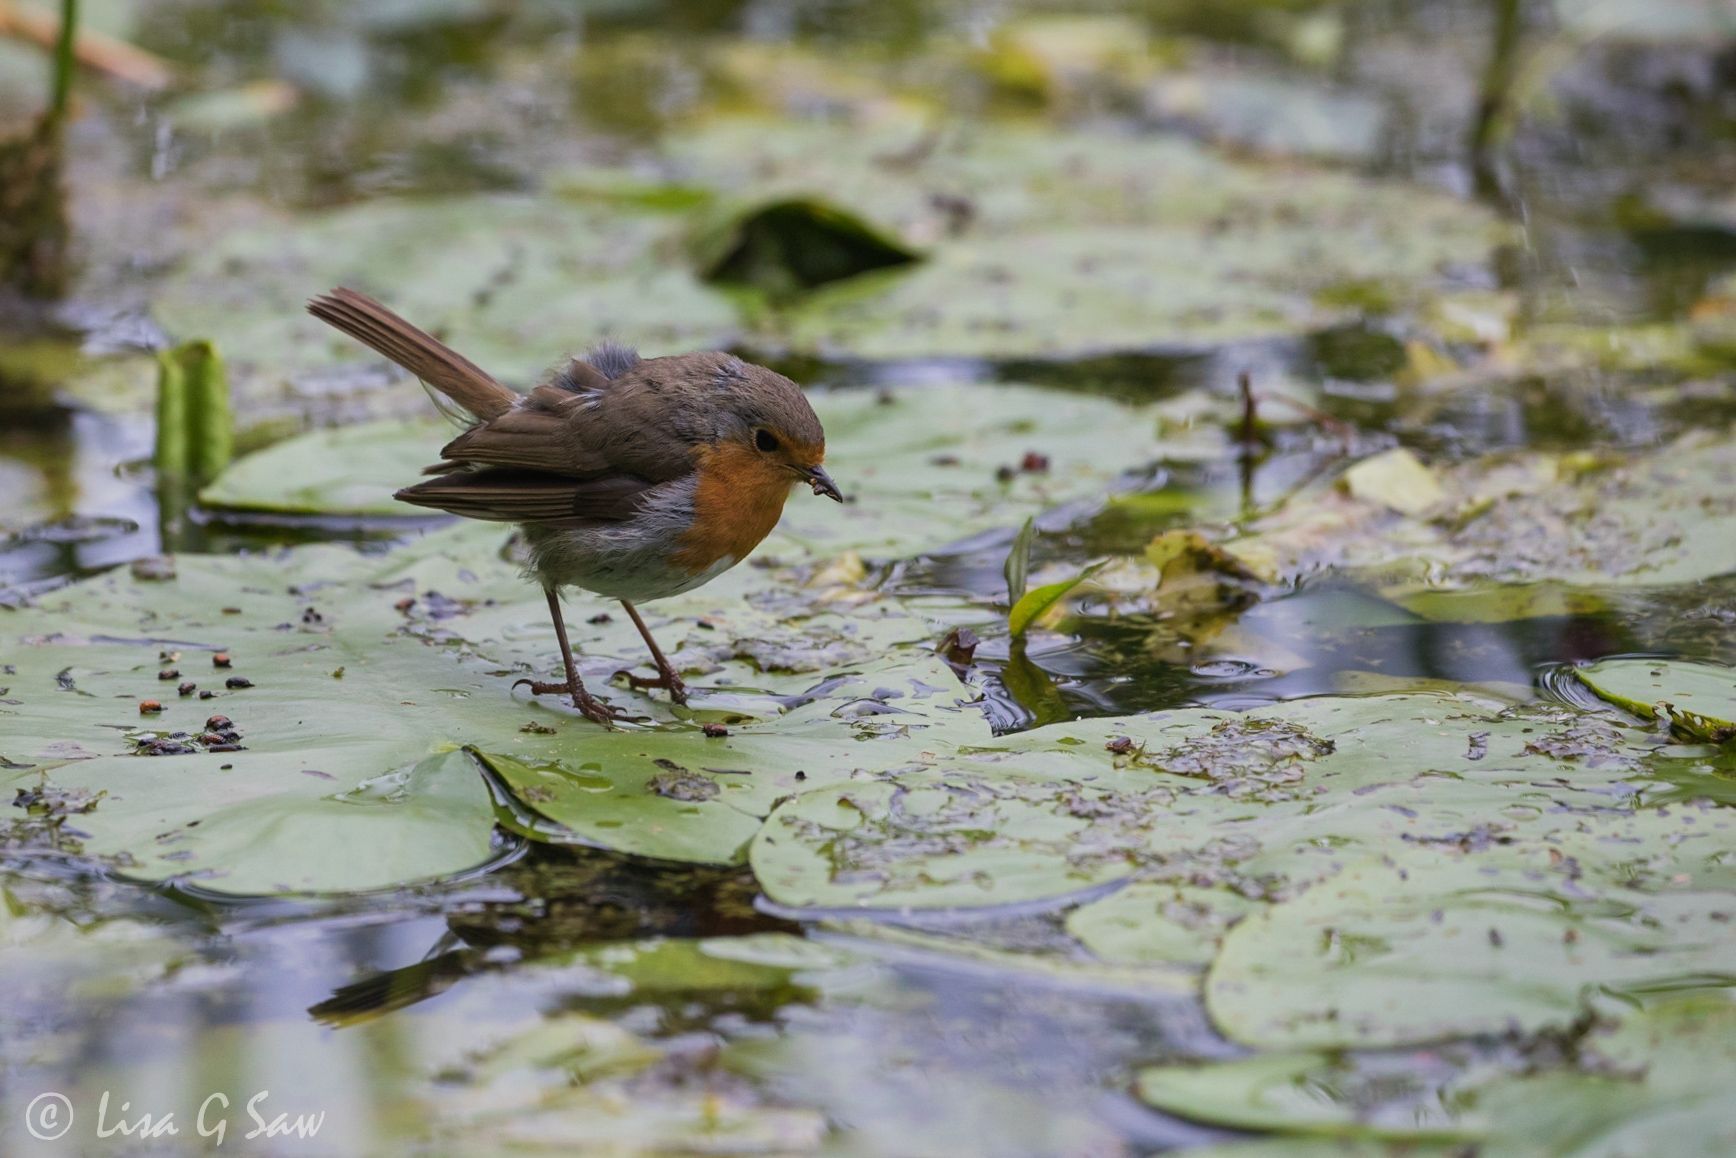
(567,901)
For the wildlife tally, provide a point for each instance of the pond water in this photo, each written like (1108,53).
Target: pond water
(1498,236)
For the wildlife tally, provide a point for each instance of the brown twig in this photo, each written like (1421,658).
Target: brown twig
(1338,426)
(1250,409)
(99,53)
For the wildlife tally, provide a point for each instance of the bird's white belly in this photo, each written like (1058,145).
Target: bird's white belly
(632,559)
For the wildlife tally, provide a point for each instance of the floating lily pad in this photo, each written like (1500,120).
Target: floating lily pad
(931,840)
(1265,804)
(1664,517)
(513,283)
(1145,242)
(1699,699)
(349,769)
(1159,924)
(1658,1081)
(1307,1093)
(348,470)
(1425,948)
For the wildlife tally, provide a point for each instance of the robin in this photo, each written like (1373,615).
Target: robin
(634,478)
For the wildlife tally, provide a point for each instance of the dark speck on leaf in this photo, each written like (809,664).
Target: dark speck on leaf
(714,730)
(601,617)
(187,689)
(1120,745)
(237,682)
(169,673)
(207,695)
(800,775)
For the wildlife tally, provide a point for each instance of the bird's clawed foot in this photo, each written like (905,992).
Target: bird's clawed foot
(666,678)
(588,705)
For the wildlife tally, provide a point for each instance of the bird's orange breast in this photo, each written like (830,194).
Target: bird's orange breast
(737,500)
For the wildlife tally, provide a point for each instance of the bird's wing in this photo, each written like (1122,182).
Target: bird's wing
(584,425)
(544,432)
(523,496)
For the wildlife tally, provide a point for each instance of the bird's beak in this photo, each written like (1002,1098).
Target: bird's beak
(822,483)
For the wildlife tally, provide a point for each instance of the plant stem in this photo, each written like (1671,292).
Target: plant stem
(65,59)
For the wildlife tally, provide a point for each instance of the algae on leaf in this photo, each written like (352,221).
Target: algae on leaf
(1427,947)
(1660,517)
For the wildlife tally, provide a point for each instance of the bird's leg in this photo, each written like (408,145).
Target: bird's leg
(666,677)
(589,705)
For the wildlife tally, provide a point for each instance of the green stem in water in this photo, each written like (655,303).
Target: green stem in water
(65,60)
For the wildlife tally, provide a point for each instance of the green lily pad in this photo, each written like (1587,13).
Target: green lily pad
(1304,1093)
(514,283)
(1663,517)
(1657,1081)
(1159,924)
(1422,948)
(347,470)
(1265,804)
(1699,699)
(930,840)
(1048,243)
(381,692)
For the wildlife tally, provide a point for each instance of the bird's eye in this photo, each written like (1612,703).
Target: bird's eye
(765,440)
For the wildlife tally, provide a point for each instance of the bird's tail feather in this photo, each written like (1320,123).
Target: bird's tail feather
(428,358)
